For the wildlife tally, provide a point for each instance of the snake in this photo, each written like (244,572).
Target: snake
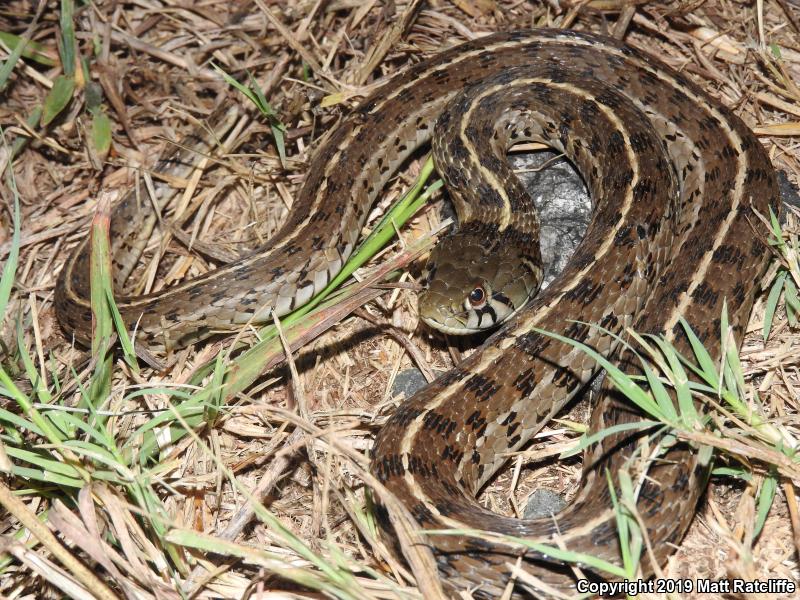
(676,179)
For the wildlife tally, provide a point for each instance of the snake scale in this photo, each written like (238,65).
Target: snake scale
(675,179)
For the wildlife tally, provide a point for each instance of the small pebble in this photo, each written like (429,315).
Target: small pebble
(543,503)
(408,382)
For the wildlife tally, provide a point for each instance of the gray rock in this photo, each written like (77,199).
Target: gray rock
(408,382)
(563,203)
(789,193)
(543,503)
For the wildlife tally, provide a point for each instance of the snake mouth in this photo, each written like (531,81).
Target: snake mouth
(454,325)
(460,328)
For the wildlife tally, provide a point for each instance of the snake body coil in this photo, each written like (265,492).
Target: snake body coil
(675,179)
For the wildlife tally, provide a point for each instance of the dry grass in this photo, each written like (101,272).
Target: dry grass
(151,60)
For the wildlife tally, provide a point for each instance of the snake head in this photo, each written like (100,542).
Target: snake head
(476,281)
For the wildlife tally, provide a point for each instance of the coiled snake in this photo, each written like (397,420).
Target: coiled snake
(675,179)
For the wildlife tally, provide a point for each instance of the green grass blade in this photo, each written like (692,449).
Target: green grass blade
(191,411)
(621,380)
(30,49)
(18,423)
(7,66)
(255,94)
(47,462)
(587,440)
(772,302)
(273,563)
(77,424)
(67,48)
(660,394)
(278,129)
(58,98)
(176,392)
(48,477)
(766,495)
(680,381)
(791,298)
(10,268)
(95,453)
(548,552)
(732,377)
(128,351)
(101,135)
(775,229)
(45,427)
(732,472)
(623,521)
(102,319)
(34,377)
(249,93)
(708,370)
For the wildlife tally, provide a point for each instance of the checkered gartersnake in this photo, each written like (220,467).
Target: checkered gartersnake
(675,179)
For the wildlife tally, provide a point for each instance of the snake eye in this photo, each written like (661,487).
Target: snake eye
(477,297)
